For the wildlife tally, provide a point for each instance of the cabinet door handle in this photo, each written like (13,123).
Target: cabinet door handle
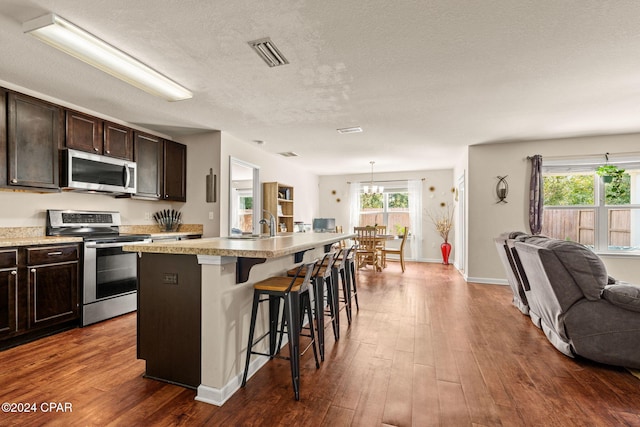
(55,253)
(13,273)
(33,270)
(96,149)
(14,181)
(108,151)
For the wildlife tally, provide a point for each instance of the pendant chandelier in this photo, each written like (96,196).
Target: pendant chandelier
(372,188)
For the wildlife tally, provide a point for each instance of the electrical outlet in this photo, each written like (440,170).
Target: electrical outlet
(210,215)
(147,216)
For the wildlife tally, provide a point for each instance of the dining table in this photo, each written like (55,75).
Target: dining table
(379,242)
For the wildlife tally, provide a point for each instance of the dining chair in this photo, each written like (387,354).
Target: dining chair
(343,243)
(368,253)
(380,243)
(399,251)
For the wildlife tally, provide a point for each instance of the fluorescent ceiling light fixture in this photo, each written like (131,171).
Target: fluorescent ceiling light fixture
(268,52)
(84,46)
(355,129)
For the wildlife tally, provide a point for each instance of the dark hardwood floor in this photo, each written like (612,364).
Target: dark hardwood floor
(426,348)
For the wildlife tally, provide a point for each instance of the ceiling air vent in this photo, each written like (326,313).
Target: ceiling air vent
(268,52)
(355,129)
(288,154)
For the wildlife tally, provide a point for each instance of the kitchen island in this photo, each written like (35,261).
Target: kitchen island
(194,304)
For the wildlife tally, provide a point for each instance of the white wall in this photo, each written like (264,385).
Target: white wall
(203,154)
(273,167)
(487,219)
(23,209)
(441,180)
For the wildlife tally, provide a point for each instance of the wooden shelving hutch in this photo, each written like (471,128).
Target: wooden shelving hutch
(277,198)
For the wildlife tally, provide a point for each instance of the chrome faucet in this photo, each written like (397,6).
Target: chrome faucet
(271,224)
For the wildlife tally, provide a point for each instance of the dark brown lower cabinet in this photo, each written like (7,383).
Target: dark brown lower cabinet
(169,317)
(39,292)
(8,292)
(53,285)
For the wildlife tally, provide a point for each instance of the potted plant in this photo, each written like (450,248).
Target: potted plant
(610,173)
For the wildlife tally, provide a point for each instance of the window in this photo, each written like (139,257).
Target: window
(390,209)
(597,211)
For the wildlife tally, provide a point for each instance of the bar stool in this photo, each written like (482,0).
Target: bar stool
(350,271)
(321,278)
(347,272)
(294,291)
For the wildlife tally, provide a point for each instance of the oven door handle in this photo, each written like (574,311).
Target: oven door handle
(93,245)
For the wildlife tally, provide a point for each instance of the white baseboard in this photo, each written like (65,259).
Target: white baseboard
(218,396)
(487,281)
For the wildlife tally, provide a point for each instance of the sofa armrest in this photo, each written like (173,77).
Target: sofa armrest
(624,295)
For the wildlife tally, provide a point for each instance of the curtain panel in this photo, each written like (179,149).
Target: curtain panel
(415,215)
(536,197)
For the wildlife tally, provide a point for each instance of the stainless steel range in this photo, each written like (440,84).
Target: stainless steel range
(110,278)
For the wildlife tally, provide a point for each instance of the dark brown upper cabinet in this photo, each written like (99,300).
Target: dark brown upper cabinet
(3,137)
(175,171)
(118,141)
(35,132)
(94,135)
(84,132)
(149,158)
(162,168)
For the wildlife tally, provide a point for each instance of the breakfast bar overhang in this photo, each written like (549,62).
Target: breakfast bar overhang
(194,304)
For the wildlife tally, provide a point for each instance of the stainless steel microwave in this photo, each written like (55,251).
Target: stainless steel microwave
(93,172)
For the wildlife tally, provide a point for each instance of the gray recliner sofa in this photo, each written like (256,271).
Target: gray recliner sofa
(513,277)
(570,296)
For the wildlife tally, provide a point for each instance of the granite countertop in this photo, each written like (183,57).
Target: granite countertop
(28,236)
(155,231)
(39,240)
(269,247)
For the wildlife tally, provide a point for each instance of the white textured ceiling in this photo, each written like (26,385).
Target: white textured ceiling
(423,78)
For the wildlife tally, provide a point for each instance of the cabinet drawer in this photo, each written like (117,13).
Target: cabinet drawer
(52,254)
(8,259)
